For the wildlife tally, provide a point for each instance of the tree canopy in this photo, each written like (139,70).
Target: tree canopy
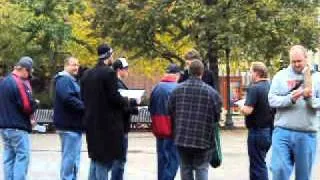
(151,29)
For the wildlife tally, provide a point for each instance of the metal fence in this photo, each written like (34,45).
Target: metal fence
(142,121)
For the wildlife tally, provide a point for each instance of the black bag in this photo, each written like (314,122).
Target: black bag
(217,152)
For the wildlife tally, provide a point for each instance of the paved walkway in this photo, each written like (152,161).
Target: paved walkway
(141,164)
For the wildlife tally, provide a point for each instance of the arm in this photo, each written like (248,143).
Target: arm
(276,99)
(251,101)
(172,105)
(246,110)
(218,106)
(210,79)
(113,95)
(314,99)
(69,97)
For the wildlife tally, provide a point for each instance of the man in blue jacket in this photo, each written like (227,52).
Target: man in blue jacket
(16,109)
(68,110)
(168,161)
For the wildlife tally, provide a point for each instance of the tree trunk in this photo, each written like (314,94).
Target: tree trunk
(212,56)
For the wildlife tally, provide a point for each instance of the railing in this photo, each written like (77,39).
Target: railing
(142,121)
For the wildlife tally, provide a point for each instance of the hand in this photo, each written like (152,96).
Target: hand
(296,94)
(138,100)
(307,92)
(33,121)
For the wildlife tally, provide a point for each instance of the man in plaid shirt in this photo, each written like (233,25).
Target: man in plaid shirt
(194,107)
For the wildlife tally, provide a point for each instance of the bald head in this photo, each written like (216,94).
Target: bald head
(298,58)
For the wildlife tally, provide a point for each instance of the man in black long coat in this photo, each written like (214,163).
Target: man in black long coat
(103,115)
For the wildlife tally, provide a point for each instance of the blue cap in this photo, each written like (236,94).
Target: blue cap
(173,69)
(25,62)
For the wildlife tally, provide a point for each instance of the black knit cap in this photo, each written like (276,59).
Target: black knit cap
(104,51)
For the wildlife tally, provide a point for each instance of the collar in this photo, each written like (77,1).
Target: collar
(65,73)
(168,78)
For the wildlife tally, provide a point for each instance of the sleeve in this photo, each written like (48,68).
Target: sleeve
(251,98)
(114,95)
(217,106)
(69,97)
(314,101)
(211,79)
(172,104)
(276,99)
(183,77)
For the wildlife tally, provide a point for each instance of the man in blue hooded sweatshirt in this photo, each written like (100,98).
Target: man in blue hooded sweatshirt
(68,111)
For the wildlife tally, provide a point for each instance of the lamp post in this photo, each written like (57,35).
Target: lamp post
(228,122)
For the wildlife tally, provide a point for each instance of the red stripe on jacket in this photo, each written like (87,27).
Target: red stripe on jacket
(26,105)
(162,126)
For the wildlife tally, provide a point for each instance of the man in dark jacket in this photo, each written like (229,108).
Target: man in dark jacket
(103,115)
(16,109)
(194,107)
(207,76)
(121,67)
(68,111)
(168,158)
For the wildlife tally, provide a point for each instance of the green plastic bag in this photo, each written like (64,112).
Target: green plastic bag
(217,152)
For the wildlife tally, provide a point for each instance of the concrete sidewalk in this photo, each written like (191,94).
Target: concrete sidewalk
(45,160)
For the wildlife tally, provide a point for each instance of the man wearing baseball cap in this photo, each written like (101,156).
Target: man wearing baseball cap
(168,160)
(121,67)
(16,108)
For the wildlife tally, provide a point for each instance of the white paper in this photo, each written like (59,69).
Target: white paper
(40,128)
(136,94)
(240,102)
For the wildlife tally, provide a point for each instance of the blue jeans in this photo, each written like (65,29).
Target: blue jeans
(259,142)
(191,160)
(99,171)
(168,159)
(118,165)
(70,150)
(16,153)
(291,148)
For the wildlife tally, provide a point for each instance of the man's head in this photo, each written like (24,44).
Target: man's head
(24,67)
(121,66)
(298,58)
(105,54)
(71,65)
(191,55)
(258,71)
(196,68)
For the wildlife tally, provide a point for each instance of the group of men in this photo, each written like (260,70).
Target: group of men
(184,107)
(98,109)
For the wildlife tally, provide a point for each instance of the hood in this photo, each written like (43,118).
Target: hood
(64,73)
